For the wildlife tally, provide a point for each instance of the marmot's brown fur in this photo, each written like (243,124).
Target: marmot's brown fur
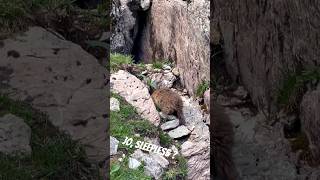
(222,143)
(169,102)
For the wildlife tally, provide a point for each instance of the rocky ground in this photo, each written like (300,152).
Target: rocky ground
(261,149)
(193,136)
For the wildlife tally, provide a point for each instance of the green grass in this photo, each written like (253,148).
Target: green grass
(165,140)
(202,87)
(178,172)
(293,86)
(157,65)
(54,155)
(121,171)
(117,60)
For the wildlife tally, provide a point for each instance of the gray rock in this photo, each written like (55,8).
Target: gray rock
(240,92)
(114,104)
(179,132)
(62,80)
(136,93)
(166,67)
(163,80)
(145,4)
(133,163)
(15,135)
(113,145)
(310,120)
(175,71)
(170,125)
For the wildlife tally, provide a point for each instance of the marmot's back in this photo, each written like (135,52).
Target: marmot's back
(169,102)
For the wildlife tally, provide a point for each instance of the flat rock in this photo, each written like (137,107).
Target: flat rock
(15,135)
(170,125)
(179,132)
(163,80)
(114,104)
(135,93)
(61,79)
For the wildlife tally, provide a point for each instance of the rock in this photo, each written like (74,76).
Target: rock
(15,135)
(179,132)
(175,71)
(62,80)
(240,92)
(136,93)
(226,101)
(251,56)
(206,97)
(166,67)
(105,36)
(181,29)
(310,120)
(170,125)
(198,155)
(114,104)
(133,163)
(113,146)
(154,164)
(145,4)
(124,23)
(163,80)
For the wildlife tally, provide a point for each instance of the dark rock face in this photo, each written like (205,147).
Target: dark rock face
(264,39)
(310,120)
(126,16)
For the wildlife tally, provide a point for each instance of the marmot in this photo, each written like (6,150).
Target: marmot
(222,143)
(169,102)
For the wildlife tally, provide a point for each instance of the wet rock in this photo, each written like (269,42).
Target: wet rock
(62,80)
(133,163)
(113,145)
(15,135)
(136,93)
(170,125)
(114,104)
(179,132)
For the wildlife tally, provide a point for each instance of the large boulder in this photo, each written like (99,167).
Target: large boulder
(179,31)
(59,78)
(136,93)
(264,40)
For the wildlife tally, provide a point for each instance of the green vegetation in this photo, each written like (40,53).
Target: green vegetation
(178,172)
(165,140)
(158,64)
(120,171)
(54,154)
(127,123)
(293,86)
(117,60)
(202,87)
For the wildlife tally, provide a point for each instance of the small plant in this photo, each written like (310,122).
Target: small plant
(120,171)
(165,139)
(117,60)
(293,86)
(157,65)
(202,87)
(180,171)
